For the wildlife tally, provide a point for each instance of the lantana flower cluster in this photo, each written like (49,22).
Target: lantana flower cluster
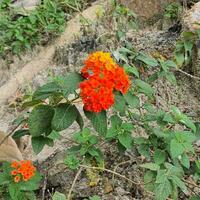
(23,170)
(103,76)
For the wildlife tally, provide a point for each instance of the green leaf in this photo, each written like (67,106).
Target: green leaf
(159,156)
(127,127)
(116,121)
(140,140)
(175,192)
(176,148)
(40,120)
(111,133)
(188,44)
(168,118)
(98,120)
(125,50)
(72,162)
(46,91)
(79,120)
(163,190)
(30,195)
(185,137)
(171,77)
(93,139)
(97,154)
(189,123)
(144,149)
(5,178)
(197,124)
(126,140)
(20,133)
(32,184)
(163,65)
(176,180)
(54,135)
(120,103)
(71,82)
(14,191)
(131,70)
(174,170)
(150,61)
(161,176)
(83,136)
(38,143)
(59,196)
(154,77)
(195,198)
(65,115)
(180,59)
(149,180)
(132,100)
(144,87)
(95,198)
(185,161)
(179,116)
(182,143)
(171,63)
(198,33)
(151,166)
(118,56)
(31,103)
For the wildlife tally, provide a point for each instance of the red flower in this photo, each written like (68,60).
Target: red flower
(15,164)
(103,76)
(17,179)
(96,63)
(97,94)
(14,172)
(122,82)
(23,169)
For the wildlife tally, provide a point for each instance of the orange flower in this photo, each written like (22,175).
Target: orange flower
(14,172)
(17,179)
(97,94)
(15,164)
(122,82)
(103,77)
(98,62)
(23,169)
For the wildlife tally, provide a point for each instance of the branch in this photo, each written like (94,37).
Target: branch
(115,169)
(112,172)
(189,75)
(7,136)
(74,182)
(190,183)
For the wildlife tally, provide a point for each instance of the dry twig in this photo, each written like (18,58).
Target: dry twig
(44,187)
(7,136)
(190,183)
(189,75)
(112,172)
(74,182)
(115,169)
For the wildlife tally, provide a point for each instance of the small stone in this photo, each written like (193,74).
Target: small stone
(26,4)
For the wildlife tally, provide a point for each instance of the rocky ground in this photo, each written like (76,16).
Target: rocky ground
(69,58)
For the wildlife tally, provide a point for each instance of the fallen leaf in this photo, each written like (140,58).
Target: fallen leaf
(9,150)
